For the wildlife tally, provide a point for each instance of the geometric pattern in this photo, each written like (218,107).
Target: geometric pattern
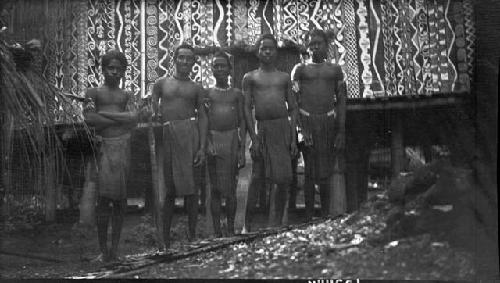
(385,47)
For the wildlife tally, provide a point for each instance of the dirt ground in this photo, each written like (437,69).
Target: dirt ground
(57,250)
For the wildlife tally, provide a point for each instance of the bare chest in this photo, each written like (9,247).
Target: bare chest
(318,73)
(106,99)
(175,91)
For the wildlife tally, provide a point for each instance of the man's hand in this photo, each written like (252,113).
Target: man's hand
(294,151)
(211,148)
(199,158)
(307,138)
(340,142)
(255,149)
(145,112)
(241,158)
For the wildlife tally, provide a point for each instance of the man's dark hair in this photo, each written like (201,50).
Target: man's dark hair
(114,54)
(266,36)
(317,32)
(183,46)
(222,54)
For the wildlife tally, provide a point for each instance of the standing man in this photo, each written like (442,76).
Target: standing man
(274,144)
(226,144)
(321,100)
(179,101)
(113,120)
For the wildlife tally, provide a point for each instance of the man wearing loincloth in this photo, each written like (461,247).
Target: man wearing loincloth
(274,144)
(113,120)
(321,118)
(179,101)
(226,142)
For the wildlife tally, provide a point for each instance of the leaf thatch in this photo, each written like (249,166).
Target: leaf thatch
(30,109)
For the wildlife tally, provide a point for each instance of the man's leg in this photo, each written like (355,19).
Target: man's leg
(281,199)
(309,189)
(200,183)
(256,183)
(215,197)
(215,208)
(168,214)
(294,186)
(231,211)
(192,208)
(119,209)
(103,212)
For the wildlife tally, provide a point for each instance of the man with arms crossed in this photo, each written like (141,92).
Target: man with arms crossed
(274,144)
(321,101)
(113,120)
(180,103)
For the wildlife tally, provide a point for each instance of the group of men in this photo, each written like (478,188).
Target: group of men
(210,126)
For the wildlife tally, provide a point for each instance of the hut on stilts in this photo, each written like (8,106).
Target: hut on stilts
(408,64)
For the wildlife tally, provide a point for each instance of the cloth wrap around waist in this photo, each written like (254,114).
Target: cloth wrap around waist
(114,166)
(320,156)
(180,141)
(275,137)
(223,160)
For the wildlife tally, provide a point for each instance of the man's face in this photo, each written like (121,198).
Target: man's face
(184,60)
(267,51)
(220,68)
(114,71)
(318,48)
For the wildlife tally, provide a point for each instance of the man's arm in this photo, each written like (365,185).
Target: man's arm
(241,116)
(202,126)
(292,111)
(296,81)
(247,94)
(242,125)
(155,102)
(129,116)
(341,93)
(89,112)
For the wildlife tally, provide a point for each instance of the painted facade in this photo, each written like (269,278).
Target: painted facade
(386,48)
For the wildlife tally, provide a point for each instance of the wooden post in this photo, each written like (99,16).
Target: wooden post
(244,177)
(157,211)
(272,205)
(208,199)
(397,145)
(338,200)
(284,220)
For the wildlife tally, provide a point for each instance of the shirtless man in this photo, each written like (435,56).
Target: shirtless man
(113,120)
(274,144)
(179,101)
(321,118)
(226,145)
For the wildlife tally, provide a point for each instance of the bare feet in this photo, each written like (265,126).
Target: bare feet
(113,256)
(100,258)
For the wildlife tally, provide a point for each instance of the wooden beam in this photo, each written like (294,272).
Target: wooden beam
(388,104)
